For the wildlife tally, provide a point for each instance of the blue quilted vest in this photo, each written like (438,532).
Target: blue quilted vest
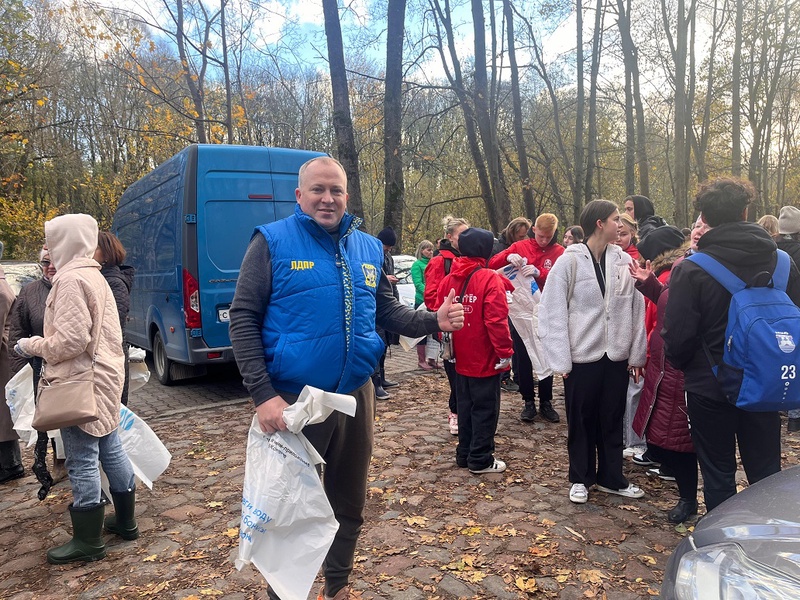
(319,328)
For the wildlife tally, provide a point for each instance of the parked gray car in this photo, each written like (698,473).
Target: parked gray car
(747,547)
(19,273)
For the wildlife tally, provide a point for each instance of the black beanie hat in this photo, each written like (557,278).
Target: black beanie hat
(387,236)
(659,240)
(476,242)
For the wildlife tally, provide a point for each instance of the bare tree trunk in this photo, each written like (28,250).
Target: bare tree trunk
(591,150)
(342,121)
(194,90)
(736,108)
(580,152)
(630,137)
(486,127)
(394,186)
(519,136)
(227,71)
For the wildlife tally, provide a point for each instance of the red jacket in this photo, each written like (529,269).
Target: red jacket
(541,258)
(434,274)
(662,416)
(485,337)
(633,251)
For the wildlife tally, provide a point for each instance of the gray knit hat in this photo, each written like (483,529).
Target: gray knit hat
(789,220)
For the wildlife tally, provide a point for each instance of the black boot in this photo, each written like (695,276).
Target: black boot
(529,412)
(87,537)
(385,382)
(380,393)
(793,425)
(10,461)
(123,522)
(682,511)
(548,412)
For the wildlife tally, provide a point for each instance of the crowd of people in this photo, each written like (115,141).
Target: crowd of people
(68,326)
(626,316)
(625,322)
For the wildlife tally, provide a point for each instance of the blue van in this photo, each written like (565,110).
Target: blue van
(186,226)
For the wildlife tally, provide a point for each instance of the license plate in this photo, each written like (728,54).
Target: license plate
(223,314)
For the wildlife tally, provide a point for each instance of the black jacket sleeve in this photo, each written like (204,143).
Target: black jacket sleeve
(392,315)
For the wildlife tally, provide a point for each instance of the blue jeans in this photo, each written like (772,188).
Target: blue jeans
(84,455)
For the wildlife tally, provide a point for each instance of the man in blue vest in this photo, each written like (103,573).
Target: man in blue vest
(309,294)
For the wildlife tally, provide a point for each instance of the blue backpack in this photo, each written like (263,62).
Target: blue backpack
(760,359)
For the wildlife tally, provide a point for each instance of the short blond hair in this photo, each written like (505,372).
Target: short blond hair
(546,223)
(328,159)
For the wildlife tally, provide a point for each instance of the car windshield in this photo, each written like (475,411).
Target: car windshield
(19,274)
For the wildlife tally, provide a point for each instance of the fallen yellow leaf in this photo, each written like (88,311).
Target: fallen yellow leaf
(416,520)
(233,532)
(150,558)
(214,504)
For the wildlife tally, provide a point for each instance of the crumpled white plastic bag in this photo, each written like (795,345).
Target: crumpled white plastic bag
(148,455)
(524,314)
(287,522)
(20,401)
(139,374)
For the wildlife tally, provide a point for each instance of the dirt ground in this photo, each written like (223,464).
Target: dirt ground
(432,531)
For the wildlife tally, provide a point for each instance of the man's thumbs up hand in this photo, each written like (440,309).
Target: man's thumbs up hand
(450,314)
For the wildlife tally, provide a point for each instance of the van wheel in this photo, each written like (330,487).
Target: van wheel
(161,364)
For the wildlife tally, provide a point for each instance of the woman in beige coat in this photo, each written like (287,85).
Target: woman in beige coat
(82,339)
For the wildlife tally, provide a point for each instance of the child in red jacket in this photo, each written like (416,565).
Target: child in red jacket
(483,350)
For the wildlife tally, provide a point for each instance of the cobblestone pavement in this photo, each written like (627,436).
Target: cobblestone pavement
(432,530)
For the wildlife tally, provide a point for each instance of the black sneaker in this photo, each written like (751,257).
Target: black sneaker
(644,460)
(548,412)
(508,385)
(528,413)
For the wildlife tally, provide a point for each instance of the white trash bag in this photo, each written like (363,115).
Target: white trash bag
(137,367)
(287,522)
(21,404)
(148,455)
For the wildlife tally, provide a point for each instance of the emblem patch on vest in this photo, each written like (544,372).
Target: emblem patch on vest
(370,275)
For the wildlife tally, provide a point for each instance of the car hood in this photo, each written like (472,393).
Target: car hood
(764,520)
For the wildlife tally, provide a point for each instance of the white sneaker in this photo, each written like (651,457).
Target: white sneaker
(453,422)
(578,493)
(629,492)
(498,466)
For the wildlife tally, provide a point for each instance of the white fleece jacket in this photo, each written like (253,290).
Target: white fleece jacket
(582,328)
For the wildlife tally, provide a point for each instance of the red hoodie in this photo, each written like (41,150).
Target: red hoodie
(541,258)
(485,337)
(434,274)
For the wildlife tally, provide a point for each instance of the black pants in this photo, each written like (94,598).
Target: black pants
(346,445)
(450,369)
(683,465)
(595,400)
(478,412)
(524,373)
(716,426)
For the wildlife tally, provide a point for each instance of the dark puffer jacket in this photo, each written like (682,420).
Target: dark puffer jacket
(661,415)
(27,319)
(791,247)
(120,280)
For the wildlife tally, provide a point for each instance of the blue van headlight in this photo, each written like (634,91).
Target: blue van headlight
(725,572)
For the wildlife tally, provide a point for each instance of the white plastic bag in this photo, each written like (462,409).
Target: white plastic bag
(409,343)
(139,374)
(148,455)
(20,400)
(287,522)
(524,314)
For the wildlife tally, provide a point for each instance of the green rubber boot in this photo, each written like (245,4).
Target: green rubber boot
(87,537)
(122,522)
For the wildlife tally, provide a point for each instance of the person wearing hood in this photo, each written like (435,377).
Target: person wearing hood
(438,268)
(10,458)
(697,309)
(641,208)
(534,256)
(110,254)
(482,349)
(82,337)
(27,319)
